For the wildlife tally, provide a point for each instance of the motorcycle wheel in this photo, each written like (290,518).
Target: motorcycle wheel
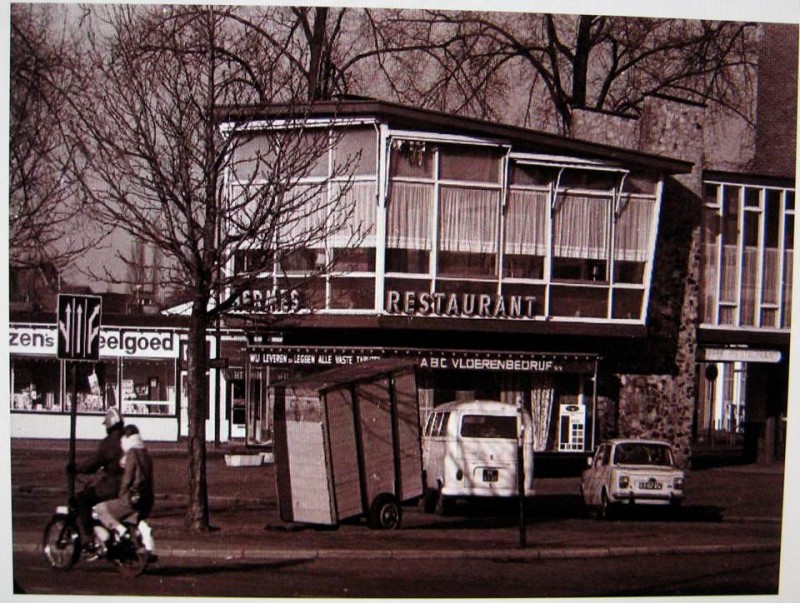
(61,542)
(131,556)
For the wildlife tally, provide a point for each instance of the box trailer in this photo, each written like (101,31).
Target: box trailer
(347,443)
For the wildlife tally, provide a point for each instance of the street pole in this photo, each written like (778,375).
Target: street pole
(73,419)
(521,474)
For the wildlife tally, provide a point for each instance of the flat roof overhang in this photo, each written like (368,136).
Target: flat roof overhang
(743,178)
(757,337)
(444,325)
(402,116)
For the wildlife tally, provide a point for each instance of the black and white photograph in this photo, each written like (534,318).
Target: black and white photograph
(400,301)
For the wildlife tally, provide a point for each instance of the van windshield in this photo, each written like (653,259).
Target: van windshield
(489,426)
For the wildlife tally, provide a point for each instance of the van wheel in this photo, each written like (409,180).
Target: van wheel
(443,504)
(429,499)
(385,513)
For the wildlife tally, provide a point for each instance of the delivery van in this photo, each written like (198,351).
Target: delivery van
(470,450)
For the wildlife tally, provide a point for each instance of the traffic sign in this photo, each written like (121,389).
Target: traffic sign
(79,327)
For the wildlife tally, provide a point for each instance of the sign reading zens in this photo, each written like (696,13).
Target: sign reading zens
(461,305)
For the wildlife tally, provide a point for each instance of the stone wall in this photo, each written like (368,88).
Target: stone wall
(658,374)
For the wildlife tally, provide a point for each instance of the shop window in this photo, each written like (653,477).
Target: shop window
(408,234)
(352,293)
(354,151)
(96,386)
(468,229)
(526,223)
(594,180)
(531,297)
(627,304)
(641,182)
(469,164)
(580,237)
(148,387)
(632,238)
(303,260)
(353,244)
(532,175)
(35,384)
(412,159)
(591,302)
(303,293)
(252,261)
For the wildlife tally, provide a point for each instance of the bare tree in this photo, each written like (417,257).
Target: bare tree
(163,170)
(478,63)
(47,226)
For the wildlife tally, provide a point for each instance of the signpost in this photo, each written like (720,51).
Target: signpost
(78,329)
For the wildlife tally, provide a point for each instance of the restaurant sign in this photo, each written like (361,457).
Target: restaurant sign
(461,305)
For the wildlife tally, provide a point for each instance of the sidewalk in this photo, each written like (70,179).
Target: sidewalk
(728,510)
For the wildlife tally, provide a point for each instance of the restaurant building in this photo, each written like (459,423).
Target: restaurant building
(512,264)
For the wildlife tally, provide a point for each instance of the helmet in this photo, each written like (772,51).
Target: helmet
(113,417)
(130,430)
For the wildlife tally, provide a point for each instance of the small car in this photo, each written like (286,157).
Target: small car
(631,472)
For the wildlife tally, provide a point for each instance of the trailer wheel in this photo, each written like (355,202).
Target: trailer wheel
(385,513)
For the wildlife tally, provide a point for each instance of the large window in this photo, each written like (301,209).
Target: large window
(326,234)
(747,255)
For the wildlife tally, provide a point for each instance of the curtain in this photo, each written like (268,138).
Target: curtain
(729,272)
(408,220)
(542,395)
(787,288)
(355,212)
(633,229)
(749,285)
(710,276)
(771,277)
(303,220)
(580,226)
(526,222)
(468,219)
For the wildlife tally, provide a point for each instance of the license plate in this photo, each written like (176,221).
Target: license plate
(650,485)
(490,475)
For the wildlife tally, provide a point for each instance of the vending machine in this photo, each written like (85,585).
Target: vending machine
(572,428)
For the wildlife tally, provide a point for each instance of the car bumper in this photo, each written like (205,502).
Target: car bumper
(647,498)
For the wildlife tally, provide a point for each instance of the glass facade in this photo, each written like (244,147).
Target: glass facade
(461,228)
(748,245)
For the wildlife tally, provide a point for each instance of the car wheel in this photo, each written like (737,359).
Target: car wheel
(605,506)
(385,513)
(586,511)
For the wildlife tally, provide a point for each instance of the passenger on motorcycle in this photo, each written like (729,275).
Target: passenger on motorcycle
(106,470)
(135,494)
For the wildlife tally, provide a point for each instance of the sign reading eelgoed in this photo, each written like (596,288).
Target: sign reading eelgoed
(113,343)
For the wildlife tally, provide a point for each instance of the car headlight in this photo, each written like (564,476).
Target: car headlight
(677,483)
(624,481)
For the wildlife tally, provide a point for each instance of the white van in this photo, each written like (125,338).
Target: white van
(469,449)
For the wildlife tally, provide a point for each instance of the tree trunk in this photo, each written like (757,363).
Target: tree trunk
(580,67)
(197,510)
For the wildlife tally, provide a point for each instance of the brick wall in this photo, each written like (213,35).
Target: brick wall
(776,105)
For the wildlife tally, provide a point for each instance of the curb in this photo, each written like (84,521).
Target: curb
(531,554)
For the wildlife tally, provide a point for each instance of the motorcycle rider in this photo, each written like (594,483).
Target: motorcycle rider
(105,465)
(136,486)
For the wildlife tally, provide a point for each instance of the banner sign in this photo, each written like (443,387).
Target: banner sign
(114,343)
(432,359)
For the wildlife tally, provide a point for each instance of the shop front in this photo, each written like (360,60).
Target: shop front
(136,372)
(558,389)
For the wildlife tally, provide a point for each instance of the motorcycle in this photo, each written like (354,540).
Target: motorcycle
(62,545)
